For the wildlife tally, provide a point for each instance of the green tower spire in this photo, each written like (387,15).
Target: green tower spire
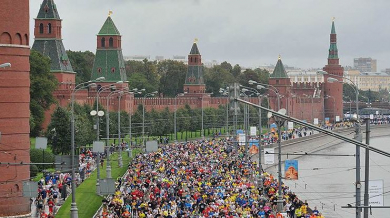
(109,62)
(279,71)
(333,52)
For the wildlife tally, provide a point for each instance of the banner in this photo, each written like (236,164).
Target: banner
(327,120)
(315,121)
(375,192)
(241,139)
(269,158)
(337,118)
(291,169)
(240,131)
(253,146)
(371,116)
(290,125)
(253,130)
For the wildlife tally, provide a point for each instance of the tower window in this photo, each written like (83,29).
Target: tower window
(49,28)
(111,42)
(277,81)
(99,70)
(41,28)
(113,70)
(103,42)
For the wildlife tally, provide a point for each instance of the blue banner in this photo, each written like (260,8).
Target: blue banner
(291,169)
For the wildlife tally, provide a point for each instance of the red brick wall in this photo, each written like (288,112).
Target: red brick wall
(14,106)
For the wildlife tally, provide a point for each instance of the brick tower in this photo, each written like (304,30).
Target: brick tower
(14,107)
(109,62)
(48,41)
(334,104)
(194,84)
(282,83)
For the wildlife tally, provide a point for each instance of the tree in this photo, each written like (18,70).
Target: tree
(216,78)
(58,132)
(172,77)
(82,63)
(43,84)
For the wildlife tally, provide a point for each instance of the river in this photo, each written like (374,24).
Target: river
(327,182)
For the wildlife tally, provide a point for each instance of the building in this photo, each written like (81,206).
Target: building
(14,107)
(368,80)
(304,76)
(333,92)
(48,41)
(365,64)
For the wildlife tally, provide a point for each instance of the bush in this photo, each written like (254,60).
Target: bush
(36,156)
(33,171)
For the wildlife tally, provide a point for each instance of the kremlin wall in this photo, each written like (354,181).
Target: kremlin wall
(305,101)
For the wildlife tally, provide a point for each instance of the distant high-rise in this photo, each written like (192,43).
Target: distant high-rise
(365,64)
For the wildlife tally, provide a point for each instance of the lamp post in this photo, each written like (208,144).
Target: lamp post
(358,137)
(269,87)
(279,122)
(108,168)
(98,114)
(201,132)
(334,106)
(175,118)
(225,92)
(143,115)
(73,207)
(100,90)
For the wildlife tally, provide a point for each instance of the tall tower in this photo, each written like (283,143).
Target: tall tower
(48,41)
(282,83)
(194,83)
(333,104)
(14,107)
(109,62)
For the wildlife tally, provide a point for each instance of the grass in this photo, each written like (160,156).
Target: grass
(87,200)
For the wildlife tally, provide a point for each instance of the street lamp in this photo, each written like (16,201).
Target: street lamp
(260,131)
(5,65)
(225,92)
(175,118)
(151,94)
(100,90)
(273,90)
(334,106)
(279,121)
(73,207)
(98,114)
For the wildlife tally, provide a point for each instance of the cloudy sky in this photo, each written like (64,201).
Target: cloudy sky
(247,32)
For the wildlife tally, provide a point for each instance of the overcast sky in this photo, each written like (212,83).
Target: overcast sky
(247,32)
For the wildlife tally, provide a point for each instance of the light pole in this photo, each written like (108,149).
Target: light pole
(143,115)
(269,87)
(108,168)
(358,137)
(73,207)
(225,92)
(279,122)
(175,118)
(99,91)
(98,114)
(334,106)
(201,132)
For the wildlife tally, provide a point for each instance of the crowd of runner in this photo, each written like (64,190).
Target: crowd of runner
(200,179)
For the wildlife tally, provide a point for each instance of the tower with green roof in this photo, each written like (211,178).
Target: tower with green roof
(109,62)
(48,40)
(333,104)
(282,83)
(194,83)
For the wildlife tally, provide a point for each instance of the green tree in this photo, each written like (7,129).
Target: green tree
(172,77)
(58,132)
(216,78)
(82,63)
(43,84)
